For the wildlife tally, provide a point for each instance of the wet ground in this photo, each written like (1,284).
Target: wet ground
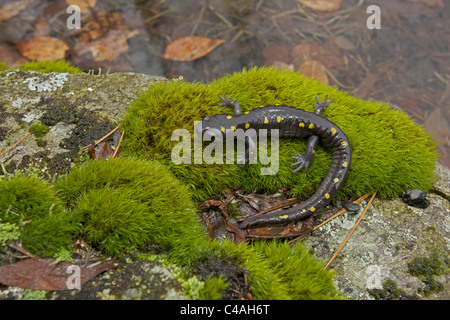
(404,62)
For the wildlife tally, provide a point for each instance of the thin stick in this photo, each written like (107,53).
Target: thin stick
(351,231)
(101,139)
(15,144)
(118,144)
(22,250)
(337,214)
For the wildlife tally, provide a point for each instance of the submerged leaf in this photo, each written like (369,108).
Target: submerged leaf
(322,5)
(43,48)
(190,48)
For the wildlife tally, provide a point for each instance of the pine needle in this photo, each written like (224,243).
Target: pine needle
(118,144)
(351,231)
(337,214)
(101,139)
(15,144)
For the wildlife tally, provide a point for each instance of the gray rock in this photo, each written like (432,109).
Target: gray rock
(389,238)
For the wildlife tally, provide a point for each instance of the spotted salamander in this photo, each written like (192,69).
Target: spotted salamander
(291,122)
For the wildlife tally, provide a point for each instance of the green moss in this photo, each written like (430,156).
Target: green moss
(390,291)
(124,204)
(425,268)
(31,204)
(213,288)
(49,66)
(39,130)
(8,232)
(390,152)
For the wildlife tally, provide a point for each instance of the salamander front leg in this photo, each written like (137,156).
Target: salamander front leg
(303,161)
(321,106)
(227,102)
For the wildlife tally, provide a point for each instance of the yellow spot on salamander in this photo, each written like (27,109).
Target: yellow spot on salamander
(336,180)
(246,112)
(261,106)
(247,126)
(312,209)
(279,119)
(233,128)
(327,196)
(229,117)
(222,129)
(311,126)
(266,121)
(345,164)
(284,217)
(333,130)
(304,210)
(344,143)
(301,124)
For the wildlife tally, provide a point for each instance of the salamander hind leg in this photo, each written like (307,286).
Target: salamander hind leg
(227,102)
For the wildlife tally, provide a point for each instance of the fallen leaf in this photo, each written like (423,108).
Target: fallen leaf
(190,48)
(109,47)
(41,28)
(10,56)
(432,3)
(322,5)
(84,5)
(43,48)
(343,43)
(275,52)
(314,69)
(45,274)
(366,85)
(304,52)
(12,9)
(103,150)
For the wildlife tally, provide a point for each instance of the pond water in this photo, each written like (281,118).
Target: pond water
(405,61)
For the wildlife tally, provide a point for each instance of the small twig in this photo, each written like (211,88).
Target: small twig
(118,144)
(22,250)
(15,144)
(101,139)
(351,231)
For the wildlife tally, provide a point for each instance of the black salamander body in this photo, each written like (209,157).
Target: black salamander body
(293,122)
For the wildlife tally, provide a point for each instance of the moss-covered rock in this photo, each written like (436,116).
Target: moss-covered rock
(390,153)
(32,205)
(125,204)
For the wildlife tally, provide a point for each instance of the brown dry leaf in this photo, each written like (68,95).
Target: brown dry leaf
(275,52)
(366,85)
(12,9)
(41,28)
(322,5)
(43,48)
(303,52)
(314,69)
(44,274)
(109,47)
(190,48)
(432,3)
(84,5)
(103,150)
